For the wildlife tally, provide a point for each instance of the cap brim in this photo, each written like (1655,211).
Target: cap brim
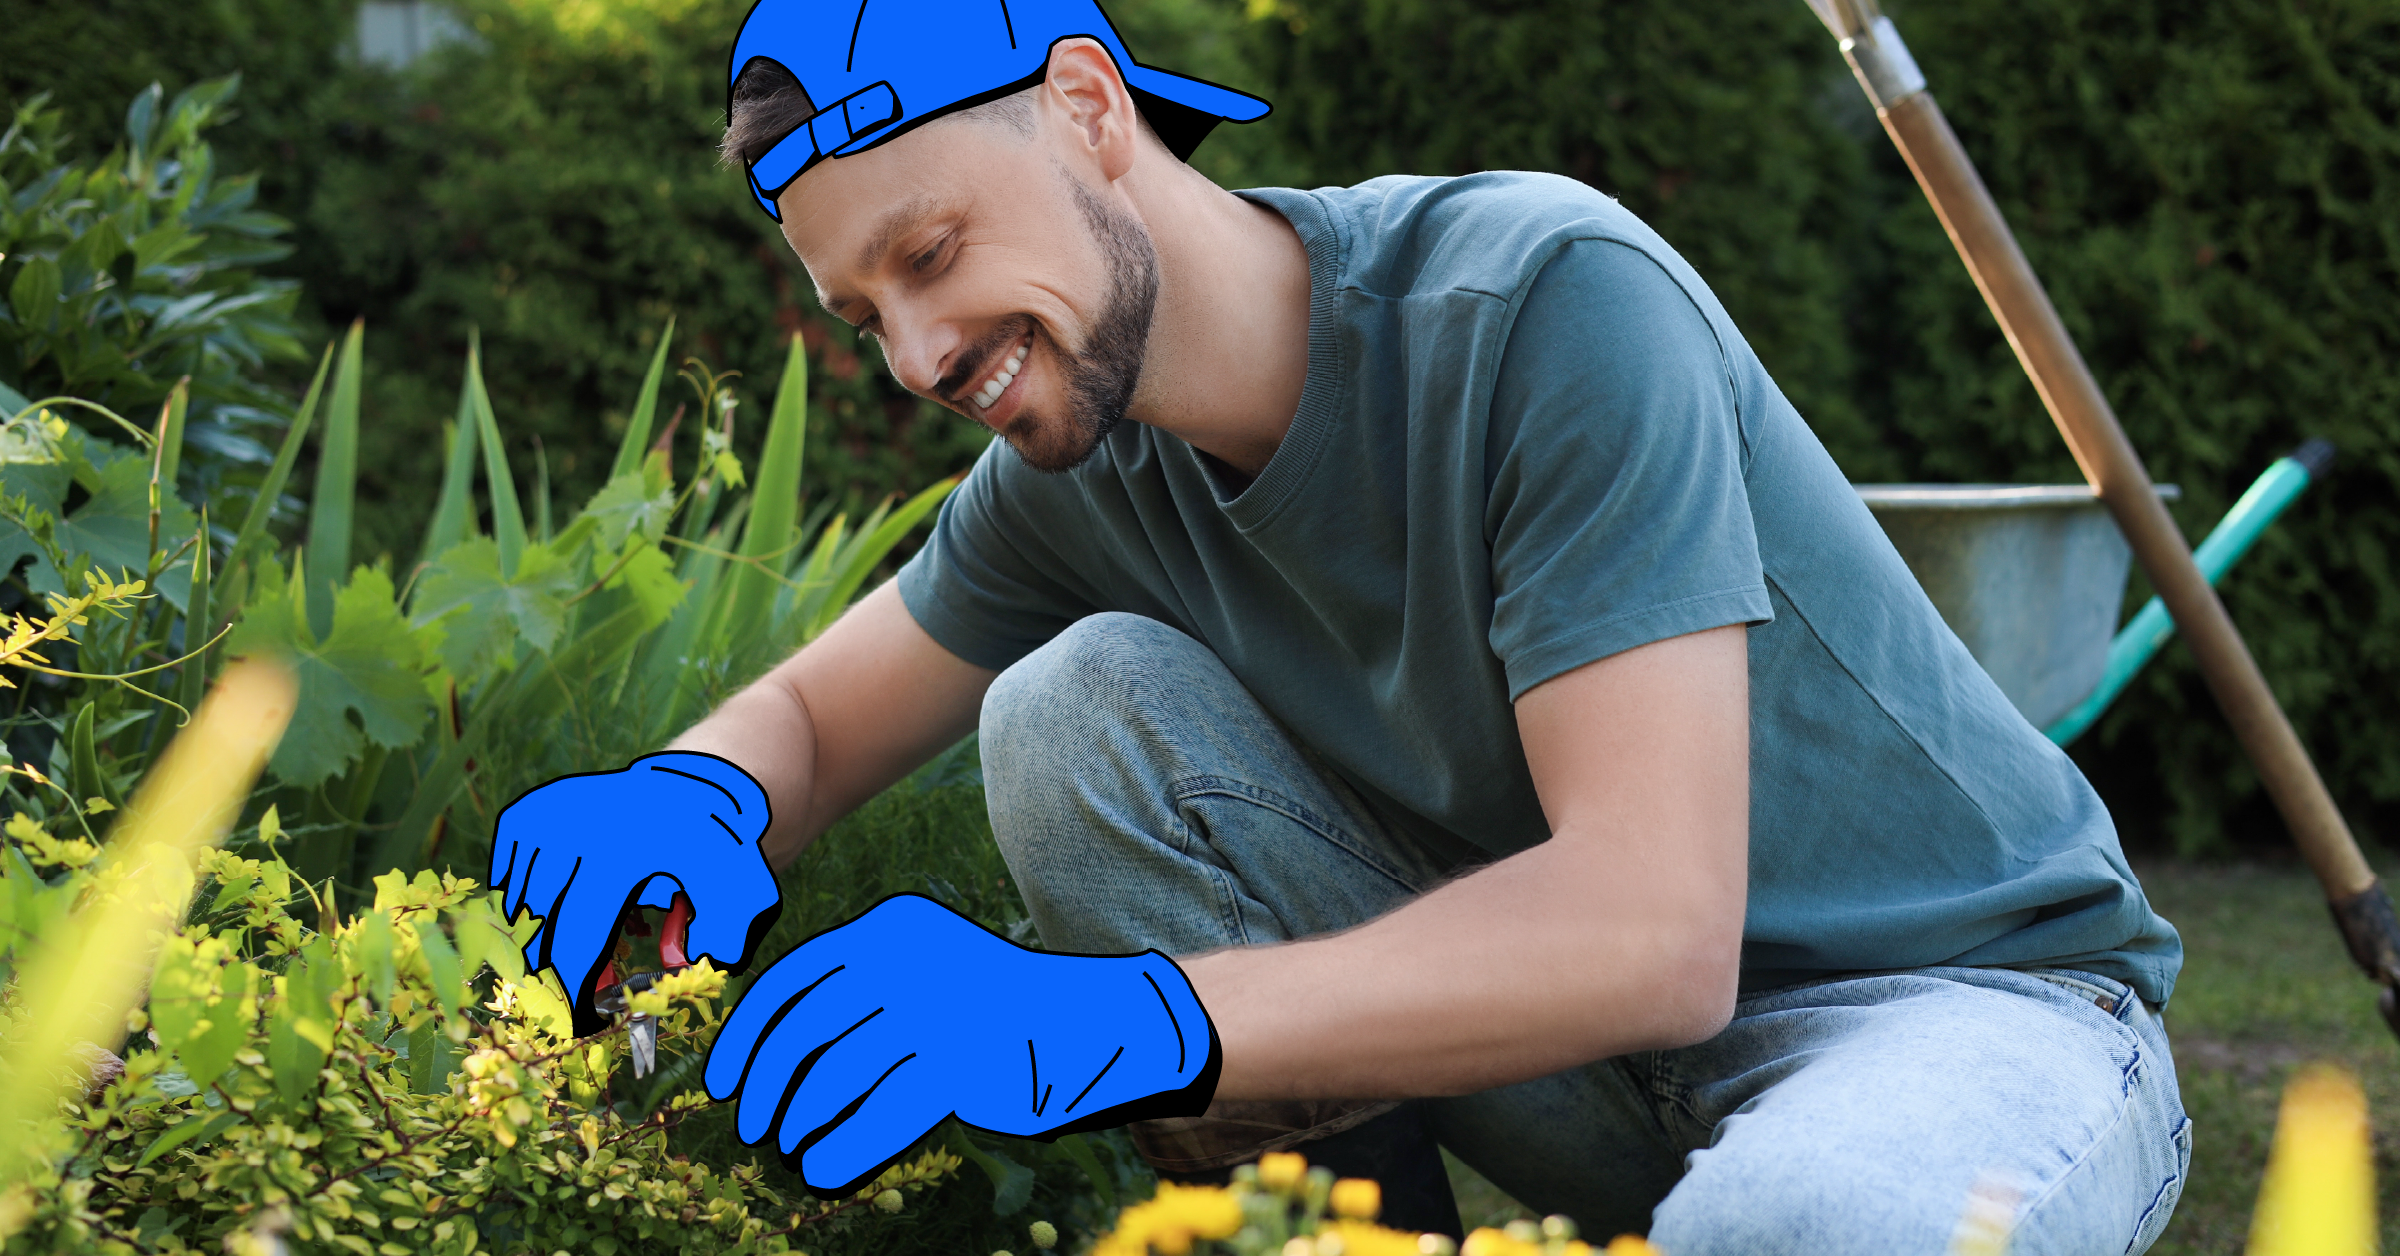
(1200,94)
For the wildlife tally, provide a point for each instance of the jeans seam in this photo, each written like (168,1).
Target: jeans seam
(2174,1182)
(1186,789)
(2084,1159)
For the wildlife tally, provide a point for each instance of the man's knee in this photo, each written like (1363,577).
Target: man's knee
(1085,676)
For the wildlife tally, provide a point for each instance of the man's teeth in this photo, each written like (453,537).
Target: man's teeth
(998,383)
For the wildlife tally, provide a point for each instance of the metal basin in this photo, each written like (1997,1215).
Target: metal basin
(2030,576)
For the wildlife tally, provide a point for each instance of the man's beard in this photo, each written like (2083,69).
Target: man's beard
(1102,373)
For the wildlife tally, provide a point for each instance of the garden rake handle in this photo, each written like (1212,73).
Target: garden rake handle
(2016,297)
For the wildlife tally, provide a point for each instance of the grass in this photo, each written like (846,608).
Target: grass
(2266,987)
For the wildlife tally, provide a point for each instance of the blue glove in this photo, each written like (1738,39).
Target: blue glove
(581,850)
(866,1036)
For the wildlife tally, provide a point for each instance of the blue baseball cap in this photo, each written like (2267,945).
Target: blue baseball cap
(889,66)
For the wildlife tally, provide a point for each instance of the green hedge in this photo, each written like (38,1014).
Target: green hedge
(2208,188)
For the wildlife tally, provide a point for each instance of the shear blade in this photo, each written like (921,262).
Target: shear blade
(641,1033)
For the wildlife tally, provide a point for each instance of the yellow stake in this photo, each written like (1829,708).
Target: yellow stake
(79,986)
(2319,1196)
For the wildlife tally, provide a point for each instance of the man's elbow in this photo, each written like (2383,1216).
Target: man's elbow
(1694,990)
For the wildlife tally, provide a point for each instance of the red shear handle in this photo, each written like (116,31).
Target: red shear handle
(671,933)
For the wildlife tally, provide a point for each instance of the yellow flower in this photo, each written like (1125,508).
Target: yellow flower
(1358,1238)
(1282,1171)
(1357,1197)
(1172,1219)
(1629,1245)
(2319,1196)
(1486,1241)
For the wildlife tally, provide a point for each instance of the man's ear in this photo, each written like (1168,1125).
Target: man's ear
(1084,88)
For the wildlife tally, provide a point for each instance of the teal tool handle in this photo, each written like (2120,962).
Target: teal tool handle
(2141,637)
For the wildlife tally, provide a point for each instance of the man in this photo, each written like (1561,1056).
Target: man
(1412,608)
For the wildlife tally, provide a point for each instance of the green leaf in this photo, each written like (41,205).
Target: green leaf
(334,500)
(645,409)
(170,442)
(632,503)
(82,752)
(1012,1183)
(300,1030)
(374,955)
(293,1060)
(141,118)
(199,621)
(429,1059)
(442,968)
(201,1004)
(254,524)
(454,508)
(190,1129)
(112,527)
(1074,1148)
(508,520)
(775,503)
(367,666)
(484,938)
(649,576)
(483,613)
(34,296)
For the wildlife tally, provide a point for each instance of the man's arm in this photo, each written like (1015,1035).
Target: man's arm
(1621,933)
(853,711)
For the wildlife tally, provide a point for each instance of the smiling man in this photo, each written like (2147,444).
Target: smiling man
(1412,608)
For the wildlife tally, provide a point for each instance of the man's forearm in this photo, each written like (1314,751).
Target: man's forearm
(833,725)
(1537,963)
(766,731)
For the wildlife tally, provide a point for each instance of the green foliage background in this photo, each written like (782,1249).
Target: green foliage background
(2210,190)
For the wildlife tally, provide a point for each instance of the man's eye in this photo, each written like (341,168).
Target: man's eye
(924,261)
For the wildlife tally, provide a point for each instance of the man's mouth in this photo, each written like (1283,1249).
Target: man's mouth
(1002,376)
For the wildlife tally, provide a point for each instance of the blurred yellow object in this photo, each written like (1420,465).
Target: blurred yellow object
(1282,1171)
(1990,1217)
(1486,1241)
(2319,1196)
(1359,1198)
(91,972)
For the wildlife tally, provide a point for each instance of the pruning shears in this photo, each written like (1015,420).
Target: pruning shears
(641,1028)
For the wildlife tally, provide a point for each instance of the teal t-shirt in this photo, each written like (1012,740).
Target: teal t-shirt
(1530,438)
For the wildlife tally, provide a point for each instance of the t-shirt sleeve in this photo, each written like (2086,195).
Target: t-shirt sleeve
(985,586)
(1616,512)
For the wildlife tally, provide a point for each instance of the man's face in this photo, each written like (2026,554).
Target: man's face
(998,283)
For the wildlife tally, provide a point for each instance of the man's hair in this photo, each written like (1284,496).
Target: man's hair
(768,103)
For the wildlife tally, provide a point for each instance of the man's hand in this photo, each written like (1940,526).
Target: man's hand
(865,1037)
(580,850)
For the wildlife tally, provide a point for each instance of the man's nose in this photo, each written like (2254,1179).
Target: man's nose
(916,349)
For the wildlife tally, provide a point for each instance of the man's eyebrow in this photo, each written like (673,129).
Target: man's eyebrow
(902,219)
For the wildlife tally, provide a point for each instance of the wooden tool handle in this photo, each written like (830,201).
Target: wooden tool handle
(2048,354)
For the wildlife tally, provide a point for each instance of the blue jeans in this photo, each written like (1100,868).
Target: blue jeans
(1143,798)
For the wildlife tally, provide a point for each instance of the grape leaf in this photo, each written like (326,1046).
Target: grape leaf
(484,613)
(637,502)
(649,578)
(367,665)
(112,526)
